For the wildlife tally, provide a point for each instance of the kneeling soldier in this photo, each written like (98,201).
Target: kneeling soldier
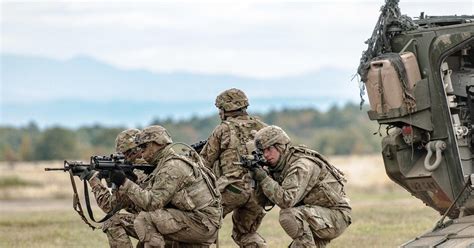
(180,201)
(307,188)
(119,228)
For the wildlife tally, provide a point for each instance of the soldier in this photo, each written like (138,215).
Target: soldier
(180,201)
(222,152)
(119,227)
(307,188)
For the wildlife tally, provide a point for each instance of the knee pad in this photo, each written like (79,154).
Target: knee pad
(289,222)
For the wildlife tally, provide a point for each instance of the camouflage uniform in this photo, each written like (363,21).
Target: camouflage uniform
(308,189)
(179,201)
(119,227)
(222,151)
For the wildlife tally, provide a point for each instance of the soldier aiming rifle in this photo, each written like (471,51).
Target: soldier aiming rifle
(117,226)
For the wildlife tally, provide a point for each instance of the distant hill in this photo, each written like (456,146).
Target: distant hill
(339,130)
(86,91)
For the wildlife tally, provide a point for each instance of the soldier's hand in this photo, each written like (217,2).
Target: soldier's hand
(117,177)
(103,174)
(258,173)
(87,174)
(83,172)
(131,176)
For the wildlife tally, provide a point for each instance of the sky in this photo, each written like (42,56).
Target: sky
(260,40)
(254,39)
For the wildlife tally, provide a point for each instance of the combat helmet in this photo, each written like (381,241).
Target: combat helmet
(231,100)
(154,133)
(126,140)
(269,136)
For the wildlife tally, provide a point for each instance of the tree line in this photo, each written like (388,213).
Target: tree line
(337,131)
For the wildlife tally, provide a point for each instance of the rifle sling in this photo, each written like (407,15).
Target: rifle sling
(76,204)
(89,209)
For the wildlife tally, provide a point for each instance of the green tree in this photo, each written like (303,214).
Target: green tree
(57,143)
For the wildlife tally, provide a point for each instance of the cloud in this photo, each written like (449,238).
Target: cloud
(263,39)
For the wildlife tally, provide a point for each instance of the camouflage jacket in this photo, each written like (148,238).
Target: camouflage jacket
(107,201)
(177,182)
(227,142)
(305,178)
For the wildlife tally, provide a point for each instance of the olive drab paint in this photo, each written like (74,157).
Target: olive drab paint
(427,104)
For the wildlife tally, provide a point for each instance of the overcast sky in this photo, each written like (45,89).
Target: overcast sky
(255,39)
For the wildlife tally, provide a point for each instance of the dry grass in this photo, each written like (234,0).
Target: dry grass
(39,214)
(43,184)
(362,172)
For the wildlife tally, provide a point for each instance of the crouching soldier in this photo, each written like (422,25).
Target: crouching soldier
(307,188)
(222,153)
(119,228)
(180,201)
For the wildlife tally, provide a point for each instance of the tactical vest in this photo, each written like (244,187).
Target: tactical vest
(325,189)
(199,193)
(240,135)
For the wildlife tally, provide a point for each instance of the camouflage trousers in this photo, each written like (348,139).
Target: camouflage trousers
(313,226)
(174,228)
(119,229)
(246,217)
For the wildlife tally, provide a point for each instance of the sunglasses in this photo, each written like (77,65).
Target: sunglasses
(133,151)
(143,146)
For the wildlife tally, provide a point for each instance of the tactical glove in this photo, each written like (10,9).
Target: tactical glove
(87,174)
(83,172)
(118,177)
(103,174)
(259,173)
(131,176)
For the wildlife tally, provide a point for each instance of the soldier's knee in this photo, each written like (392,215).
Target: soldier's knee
(143,218)
(115,220)
(111,224)
(250,240)
(289,222)
(142,226)
(146,231)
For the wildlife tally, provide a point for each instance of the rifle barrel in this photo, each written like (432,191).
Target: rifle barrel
(55,169)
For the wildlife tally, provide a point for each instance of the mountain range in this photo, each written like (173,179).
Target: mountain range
(84,90)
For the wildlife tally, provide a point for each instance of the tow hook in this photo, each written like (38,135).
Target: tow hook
(438,147)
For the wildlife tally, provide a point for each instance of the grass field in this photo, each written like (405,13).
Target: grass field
(36,210)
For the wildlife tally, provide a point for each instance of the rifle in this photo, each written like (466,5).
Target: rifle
(104,165)
(256,159)
(199,145)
